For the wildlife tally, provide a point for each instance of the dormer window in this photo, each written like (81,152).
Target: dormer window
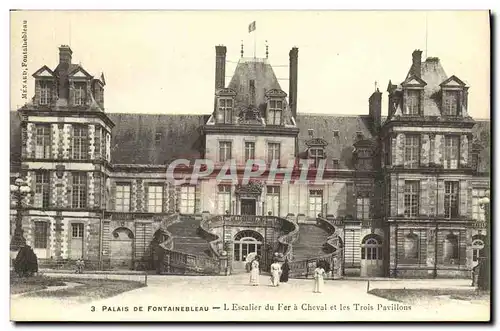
(45,92)
(316,150)
(316,154)
(225,105)
(275,106)
(412,102)
(451,102)
(226,110)
(79,94)
(275,111)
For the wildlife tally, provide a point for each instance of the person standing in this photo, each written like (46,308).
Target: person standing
(285,269)
(275,273)
(319,274)
(254,272)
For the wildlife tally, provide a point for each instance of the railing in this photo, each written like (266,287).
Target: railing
(305,268)
(285,242)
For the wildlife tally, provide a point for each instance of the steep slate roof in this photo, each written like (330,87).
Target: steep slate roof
(261,72)
(134,137)
(325,126)
(433,74)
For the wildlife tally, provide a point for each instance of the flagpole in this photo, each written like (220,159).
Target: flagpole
(254,41)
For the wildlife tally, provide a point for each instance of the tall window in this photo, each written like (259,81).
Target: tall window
(42,189)
(413,102)
(450,199)
(79,94)
(477,211)
(412,151)
(315,203)
(122,201)
(451,147)
(273,200)
(273,150)
(317,154)
(363,208)
(451,249)
(411,198)
(97,142)
(41,234)
(249,151)
(224,199)
(77,230)
(42,147)
(45,93)
(188,200)
(451,100)
(79,190)
(155,198)
(80,142)
(226,109)
(224,151)
(275,110)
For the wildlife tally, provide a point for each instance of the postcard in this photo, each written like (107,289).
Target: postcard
(250,166)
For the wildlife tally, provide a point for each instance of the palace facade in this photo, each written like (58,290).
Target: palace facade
(401,190)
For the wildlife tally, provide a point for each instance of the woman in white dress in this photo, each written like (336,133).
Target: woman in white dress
(319,274)
(254,272)
(275,273)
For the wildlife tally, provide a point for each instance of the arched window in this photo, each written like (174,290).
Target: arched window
(411,246)
(450,249)
(246,242)
(371,248)
(477,247)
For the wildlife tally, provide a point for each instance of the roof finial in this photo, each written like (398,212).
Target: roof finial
(376,86)
(267,50)
(242,48)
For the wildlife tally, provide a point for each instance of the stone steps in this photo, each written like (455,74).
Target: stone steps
(312,239)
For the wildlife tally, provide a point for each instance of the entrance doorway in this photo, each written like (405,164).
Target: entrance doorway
(248,207)
(121,247)
(371,256)
(246,242)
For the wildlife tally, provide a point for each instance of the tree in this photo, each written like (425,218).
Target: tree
(26,262)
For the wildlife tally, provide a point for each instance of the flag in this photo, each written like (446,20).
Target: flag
(251,27)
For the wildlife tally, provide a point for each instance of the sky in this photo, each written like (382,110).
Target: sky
(164,62)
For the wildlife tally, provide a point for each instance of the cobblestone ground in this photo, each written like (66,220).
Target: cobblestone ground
(232,299)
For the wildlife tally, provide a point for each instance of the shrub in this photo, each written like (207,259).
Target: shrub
(26,262)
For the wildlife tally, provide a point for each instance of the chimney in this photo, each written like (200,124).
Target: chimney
(375,110)
(220,67)
(417,62)
(292,92)
(65,55)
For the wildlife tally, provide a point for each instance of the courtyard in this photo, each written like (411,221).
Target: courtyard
(199,298)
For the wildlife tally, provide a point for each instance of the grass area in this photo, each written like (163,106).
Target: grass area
(87,290)
(20,285)
(419,296)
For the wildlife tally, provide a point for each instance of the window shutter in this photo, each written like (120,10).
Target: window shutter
(70,141)
(69,191)
(197,199)
(401,197)
(424,197)
(177,197)
(440,250)
(440,197)
(462,197)
(112,196)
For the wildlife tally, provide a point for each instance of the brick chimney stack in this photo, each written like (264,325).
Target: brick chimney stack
(65,55)
(375,110)
(417,62)
(292,92)
(220,66)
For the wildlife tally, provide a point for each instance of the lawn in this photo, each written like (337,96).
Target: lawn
(419,296)
(87,289)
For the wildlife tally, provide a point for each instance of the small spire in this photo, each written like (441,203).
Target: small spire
(242,48)
(267,50)
(376,86)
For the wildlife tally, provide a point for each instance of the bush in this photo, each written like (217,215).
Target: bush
(26,262)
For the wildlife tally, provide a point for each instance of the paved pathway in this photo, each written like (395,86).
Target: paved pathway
(341,300)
